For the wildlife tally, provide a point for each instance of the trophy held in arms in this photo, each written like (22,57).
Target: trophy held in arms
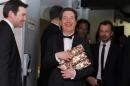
(78,61)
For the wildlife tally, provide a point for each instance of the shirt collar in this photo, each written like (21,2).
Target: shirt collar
(10,24)
(107,43)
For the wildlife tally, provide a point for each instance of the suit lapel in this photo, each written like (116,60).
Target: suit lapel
(75,40)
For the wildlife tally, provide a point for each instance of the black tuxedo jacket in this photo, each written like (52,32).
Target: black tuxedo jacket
(111,70)
(51,30)
(10,63)
(55,44)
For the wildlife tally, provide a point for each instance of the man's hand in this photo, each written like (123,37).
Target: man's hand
(68,73)
(92,81)
(64,55)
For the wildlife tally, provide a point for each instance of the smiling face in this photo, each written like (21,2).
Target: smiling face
(19,18)
(68,21)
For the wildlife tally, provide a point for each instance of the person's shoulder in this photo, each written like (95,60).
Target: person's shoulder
(95,44)
(129,37)
(55,36)
(4,27)
(2,24)
(51,29)
(52,26)
(116,47)
(77,36)
(5,32)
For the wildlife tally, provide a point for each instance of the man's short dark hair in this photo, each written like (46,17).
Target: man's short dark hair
(55,11)
(106,22)
(13,6)
(68,9)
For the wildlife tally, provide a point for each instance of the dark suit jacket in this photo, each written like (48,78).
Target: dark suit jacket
(10,64)
(124,80)
(51,30)
(112,64)
(55,44)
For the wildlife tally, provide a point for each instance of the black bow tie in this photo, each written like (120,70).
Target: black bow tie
(70,37)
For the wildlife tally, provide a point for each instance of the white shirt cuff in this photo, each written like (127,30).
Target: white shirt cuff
(57,59)
(73,75)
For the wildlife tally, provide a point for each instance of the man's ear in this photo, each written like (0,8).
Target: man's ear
(11,14)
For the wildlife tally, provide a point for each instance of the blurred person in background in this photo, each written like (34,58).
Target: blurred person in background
(52,29)
(83,28)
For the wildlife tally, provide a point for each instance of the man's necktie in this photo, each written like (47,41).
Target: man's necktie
(102,59)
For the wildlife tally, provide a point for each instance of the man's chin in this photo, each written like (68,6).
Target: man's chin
(20,26)
(105,40)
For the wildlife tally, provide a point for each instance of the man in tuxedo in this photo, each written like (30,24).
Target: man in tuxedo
(52,29)
(14,13)
(56,48)
(106,57)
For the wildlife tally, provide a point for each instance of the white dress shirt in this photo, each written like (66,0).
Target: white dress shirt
(67,43)
(105,56)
